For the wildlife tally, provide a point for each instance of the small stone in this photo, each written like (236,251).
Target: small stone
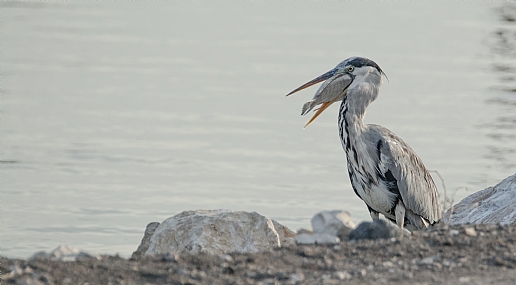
(228,270)
(226,257)
(29,270)
(332,222)
(371,230)
(464,279)
(308,239)
(377,229)
(305,239)
(388,264)
(297,277)
(471,232)
(304,231)
(429,260)
(454,232)
(341,275)
(63,253)
(16,270)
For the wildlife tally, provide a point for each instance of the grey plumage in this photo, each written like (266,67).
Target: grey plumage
(384,171)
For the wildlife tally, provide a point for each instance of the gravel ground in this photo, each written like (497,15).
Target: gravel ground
(481,254)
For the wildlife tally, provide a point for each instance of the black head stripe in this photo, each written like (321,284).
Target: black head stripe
(361,61)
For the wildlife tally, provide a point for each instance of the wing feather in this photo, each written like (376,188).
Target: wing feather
(415,184)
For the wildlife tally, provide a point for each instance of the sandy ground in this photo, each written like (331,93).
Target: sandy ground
(481,254)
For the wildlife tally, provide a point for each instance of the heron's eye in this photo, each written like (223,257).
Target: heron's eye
(350,68)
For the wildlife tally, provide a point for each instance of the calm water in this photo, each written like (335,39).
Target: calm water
(115,115)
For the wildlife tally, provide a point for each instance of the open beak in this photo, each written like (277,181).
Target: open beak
(321,78)
(326,95)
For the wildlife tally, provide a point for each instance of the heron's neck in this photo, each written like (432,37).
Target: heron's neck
(353,107)
(351,123)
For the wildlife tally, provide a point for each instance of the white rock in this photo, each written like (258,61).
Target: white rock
(297,277)
(470,232)
(429,260)
(62,253)
(218,232)
(494,205)
(342,275)
(306,239)
(330,222)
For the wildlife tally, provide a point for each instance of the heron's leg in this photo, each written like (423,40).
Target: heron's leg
(399,212)
(374,214)
(416,220)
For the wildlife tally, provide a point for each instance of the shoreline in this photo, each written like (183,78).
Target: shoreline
(464,254)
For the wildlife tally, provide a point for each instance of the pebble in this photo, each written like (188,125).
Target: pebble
(471,232)
(297,277)
(388,264)
(454,232)
(342,275)
(311,239)
(429,260)
(226,257)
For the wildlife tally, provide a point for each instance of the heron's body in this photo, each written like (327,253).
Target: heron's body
(384,171)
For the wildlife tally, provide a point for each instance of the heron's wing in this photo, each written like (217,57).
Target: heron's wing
(332,90)
(416,187)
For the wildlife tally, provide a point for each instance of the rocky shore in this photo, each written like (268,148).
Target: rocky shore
(478,254)
(476,244)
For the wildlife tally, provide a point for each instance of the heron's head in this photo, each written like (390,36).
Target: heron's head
(339,81)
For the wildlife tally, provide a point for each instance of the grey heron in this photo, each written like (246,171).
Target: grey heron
(384,171)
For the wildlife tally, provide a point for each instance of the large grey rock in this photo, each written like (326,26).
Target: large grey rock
(144,245)
(377,229)
(494,205)
(218,232)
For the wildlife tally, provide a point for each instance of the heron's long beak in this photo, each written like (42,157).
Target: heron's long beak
(319,79)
